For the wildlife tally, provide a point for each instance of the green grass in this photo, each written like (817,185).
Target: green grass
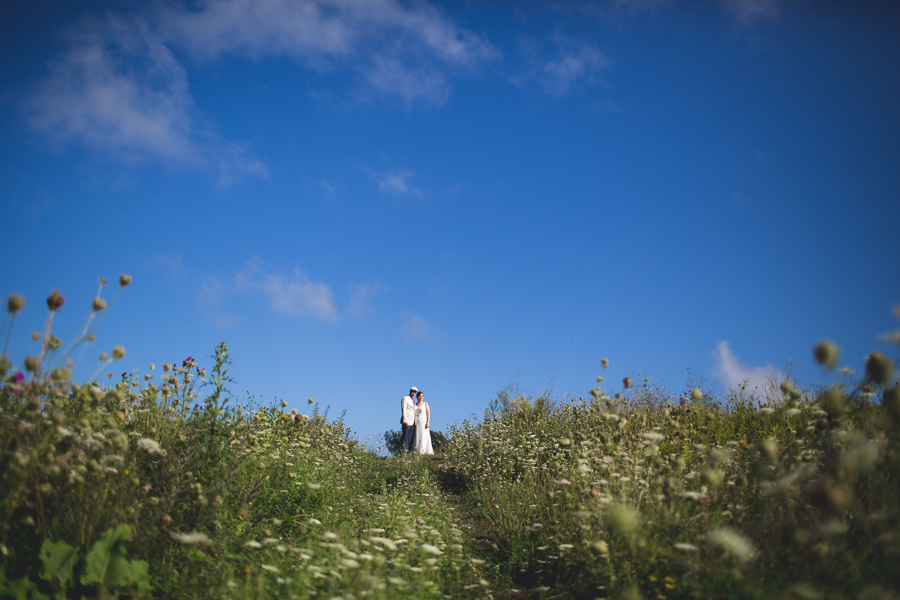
(163,486)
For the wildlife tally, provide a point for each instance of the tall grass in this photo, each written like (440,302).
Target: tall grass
(161,485)
(636,496)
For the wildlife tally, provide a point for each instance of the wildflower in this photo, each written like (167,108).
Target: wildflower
(14,303)
(566,546)
(310,400)
(253,545)
(879,368)
(99,304)
(118,353)
(600,547)
(604,362)
(792,411)
(826,354)
(733,542)
(32,363)
(124,280)
(653,436)
(696,394)
(623,520)
(55,301)
(150,446)
(626,383)
(431,549)
(191,539)
(167,367)
(349,563)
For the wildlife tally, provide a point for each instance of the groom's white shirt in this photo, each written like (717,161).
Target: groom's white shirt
(408,408)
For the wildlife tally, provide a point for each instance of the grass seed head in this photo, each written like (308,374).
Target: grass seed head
(14,303)
(879,368)
(826,354)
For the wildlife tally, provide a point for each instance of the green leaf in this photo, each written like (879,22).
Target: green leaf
(21,589)
(58,563)
(103,558)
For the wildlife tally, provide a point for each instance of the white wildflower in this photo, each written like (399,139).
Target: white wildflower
(766,410)
(190,539)
(149,445)
(270,568)
(431,549)
(653,436)
(685,547)
(792,411)
(733,542)
(253,545)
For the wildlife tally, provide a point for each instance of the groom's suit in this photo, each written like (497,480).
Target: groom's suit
(407,421)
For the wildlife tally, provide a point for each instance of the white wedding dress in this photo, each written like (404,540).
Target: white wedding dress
(422,442)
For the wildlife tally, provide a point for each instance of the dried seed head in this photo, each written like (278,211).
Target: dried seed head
(167,367)
(696,394)
(623,520)
(600,547)
(61,375)
(124,280)
(99,304)
(35,336)
(32,363)
(826,354)
(103,281)
(834,402)
(626,382)
(310,400)
(118,352)
(284,403)
(604,362)
(879,368)
(55,301)
(14,303)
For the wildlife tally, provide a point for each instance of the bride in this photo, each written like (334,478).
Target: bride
(422,443)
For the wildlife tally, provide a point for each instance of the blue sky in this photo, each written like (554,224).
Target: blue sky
(363,196)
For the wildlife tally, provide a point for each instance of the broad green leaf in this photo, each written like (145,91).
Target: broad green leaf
(21,589)
(105,556)
(58,563)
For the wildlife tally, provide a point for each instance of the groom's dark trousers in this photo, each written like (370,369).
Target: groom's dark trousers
(407,441)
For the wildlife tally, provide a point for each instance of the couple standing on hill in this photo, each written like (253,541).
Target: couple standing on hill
(415,420)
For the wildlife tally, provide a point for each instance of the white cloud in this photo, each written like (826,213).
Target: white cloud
(172,264)
(360,296)
(577,64)
(416,328)
(396,181)
(572,63)
(212,291)
(294,295)
(748,11)
(118,88)
(389,76)
(319,31)
(735,373)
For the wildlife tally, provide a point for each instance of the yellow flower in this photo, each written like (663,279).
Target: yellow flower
(126,471)
(653,578)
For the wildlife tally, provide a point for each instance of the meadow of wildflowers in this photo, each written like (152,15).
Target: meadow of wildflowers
(164,485)
(637,496)
(160,485)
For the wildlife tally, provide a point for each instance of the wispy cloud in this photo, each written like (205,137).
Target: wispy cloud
(734,373)
(210,295)
(118,88)
(568,65)
(291,294)
(361,295)
(172,264)
(396,181)
(748,11)
(416,328)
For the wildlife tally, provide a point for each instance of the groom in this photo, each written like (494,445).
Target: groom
(408,418)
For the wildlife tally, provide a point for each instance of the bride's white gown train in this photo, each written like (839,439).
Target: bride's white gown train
(422,442)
